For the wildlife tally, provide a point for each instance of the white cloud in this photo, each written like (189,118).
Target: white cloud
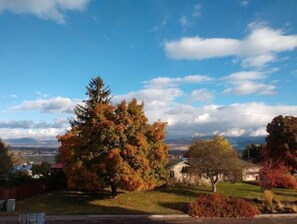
(184,21)
(197,10)
(232,132)
(199,48)
(12,96)
(41,134)
(43,95)
(246,88)
(202,95)
(244,76)
(242,119)
(44,9)
(245,2)
(162,24)
(56,104)
(29,124)
(162,82)
(247,119)
(258,61)
(248,82)
(257,49)
(261,131)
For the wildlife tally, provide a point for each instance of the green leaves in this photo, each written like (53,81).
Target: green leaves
(213,157)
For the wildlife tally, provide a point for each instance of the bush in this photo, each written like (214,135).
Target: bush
(276,175)
(216,205)
(268,198)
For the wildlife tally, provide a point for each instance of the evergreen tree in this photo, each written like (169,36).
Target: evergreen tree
(115,146)
(97,93)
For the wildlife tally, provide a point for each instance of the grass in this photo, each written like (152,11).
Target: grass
(173,200)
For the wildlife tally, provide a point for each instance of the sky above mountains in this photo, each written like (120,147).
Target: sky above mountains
(205,67)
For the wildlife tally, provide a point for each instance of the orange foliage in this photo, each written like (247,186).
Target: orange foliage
(117,146)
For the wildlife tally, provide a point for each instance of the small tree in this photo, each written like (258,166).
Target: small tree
(5,162)
(212,159)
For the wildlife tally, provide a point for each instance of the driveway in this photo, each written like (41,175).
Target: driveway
(159,219)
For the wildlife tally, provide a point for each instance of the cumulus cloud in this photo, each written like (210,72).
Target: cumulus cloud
(201,95)
(40,134)
(246,119)
(44,9)
(29,124)
(257,49)
(258,61)
(242,119)
(52,105)
(162,82)
(248,82)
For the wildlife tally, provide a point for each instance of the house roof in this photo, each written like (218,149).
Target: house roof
(57,166)
(173,161)
(245,164)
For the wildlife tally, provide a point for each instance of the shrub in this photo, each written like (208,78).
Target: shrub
(216,205)
(276,175)
(268,198)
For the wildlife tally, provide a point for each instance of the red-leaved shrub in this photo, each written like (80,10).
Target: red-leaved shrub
(216,205)
(276,175)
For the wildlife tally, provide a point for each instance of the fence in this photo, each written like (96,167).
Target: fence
(28,190)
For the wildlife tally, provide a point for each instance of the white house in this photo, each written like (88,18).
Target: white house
(178,172)
(250,171)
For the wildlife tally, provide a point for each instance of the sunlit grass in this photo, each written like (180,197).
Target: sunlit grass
(172,200)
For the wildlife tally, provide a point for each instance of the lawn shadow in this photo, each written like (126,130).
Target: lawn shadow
(249,190)
(177,206)
(68,202)
(184,191)
(86,195)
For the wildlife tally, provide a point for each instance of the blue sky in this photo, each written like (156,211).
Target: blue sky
(205,67)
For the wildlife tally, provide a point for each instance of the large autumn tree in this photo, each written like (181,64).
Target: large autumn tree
(212,159)
(113,145)
(282,141)
(5,161)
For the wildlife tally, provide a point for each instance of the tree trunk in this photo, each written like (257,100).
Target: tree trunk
(214,184)
(214,187)
(114,192)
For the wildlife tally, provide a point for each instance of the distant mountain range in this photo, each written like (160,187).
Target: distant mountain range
(31,142)
(179,144)
(239,143)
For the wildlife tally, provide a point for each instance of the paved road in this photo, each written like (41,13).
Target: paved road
(183,219)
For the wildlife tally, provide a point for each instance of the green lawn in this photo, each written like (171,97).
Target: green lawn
(173,200)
